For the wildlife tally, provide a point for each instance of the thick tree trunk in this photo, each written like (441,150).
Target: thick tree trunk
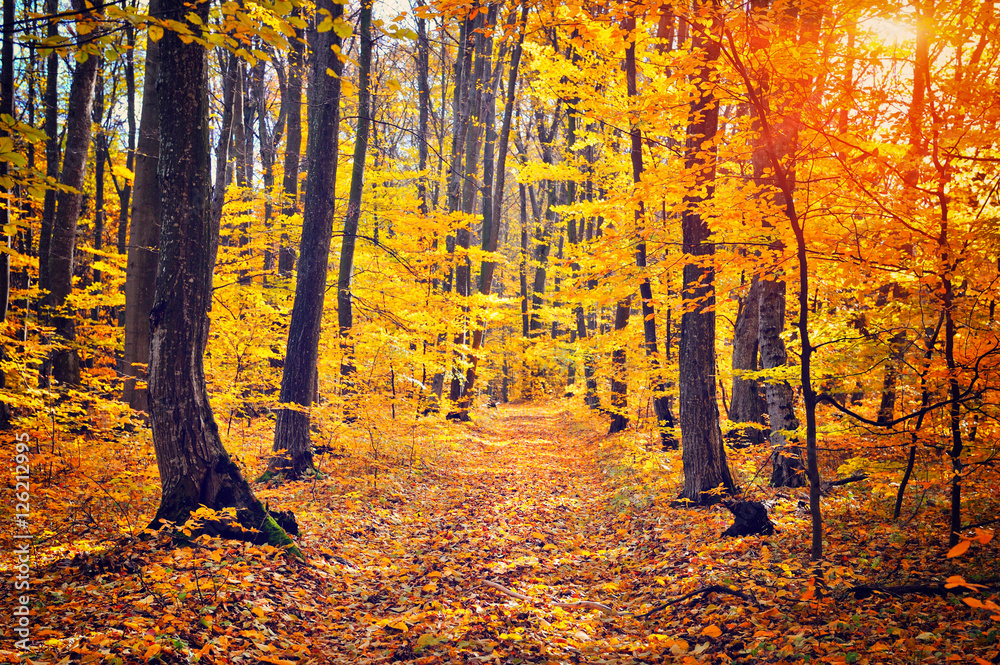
(345,308)
(66,360)
(144,235)
(195,469)
(292,446)
(706,471)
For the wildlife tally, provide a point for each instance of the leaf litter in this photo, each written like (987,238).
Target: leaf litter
(537,540)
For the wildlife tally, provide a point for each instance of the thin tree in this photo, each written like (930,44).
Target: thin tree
(293,143)
(492,206)
(345,308)
(144,234)
(51,125)
(661,404)
(292,454)
(66,360)
(6,108)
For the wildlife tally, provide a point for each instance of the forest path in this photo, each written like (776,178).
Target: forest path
(524,506)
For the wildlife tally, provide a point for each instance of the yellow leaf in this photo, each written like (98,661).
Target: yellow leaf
(151,651)
(711,631)
(958,550)
(155,33)
(123,172)
(429,587)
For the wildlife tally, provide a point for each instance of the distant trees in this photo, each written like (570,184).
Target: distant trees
(596,164)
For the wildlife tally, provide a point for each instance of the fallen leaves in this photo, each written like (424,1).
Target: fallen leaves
(518,549)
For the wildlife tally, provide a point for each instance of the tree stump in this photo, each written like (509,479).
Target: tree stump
(750,519)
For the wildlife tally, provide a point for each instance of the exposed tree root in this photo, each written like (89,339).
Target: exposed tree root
(864,591)
(713,588)
(607,609)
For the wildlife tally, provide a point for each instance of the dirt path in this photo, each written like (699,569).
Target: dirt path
(526,509)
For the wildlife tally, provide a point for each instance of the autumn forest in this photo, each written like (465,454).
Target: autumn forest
(341,331)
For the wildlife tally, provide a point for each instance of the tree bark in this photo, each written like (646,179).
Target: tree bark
(195,469)
(51,101)
(706,471)
(293,144)
(786,456)
(66,360)
(661,402)
(746,405)
(144,235)
(125,192)
(292,445)
(492,207)
(345,309)
(619,384)
(6,108)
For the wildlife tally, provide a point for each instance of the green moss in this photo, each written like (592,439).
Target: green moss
(277,537)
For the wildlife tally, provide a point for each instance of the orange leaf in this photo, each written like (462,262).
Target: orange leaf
(958,550)
(711,631)
(984,536)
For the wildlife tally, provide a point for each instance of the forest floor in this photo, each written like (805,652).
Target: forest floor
(531,538)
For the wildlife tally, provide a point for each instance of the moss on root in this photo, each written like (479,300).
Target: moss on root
(275,536)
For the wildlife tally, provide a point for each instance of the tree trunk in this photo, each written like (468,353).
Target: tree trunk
(100,156)
(66,361)
(786,456)
(125,192)
(6,108)
(523,263)
(345,310)
(268,152)
(619,384)
(706,471)
(746,405)
(144,235)
(661,402)
(293,145)
(492,207)
(51,150)
(195,469)
(223,153)
(291,432)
